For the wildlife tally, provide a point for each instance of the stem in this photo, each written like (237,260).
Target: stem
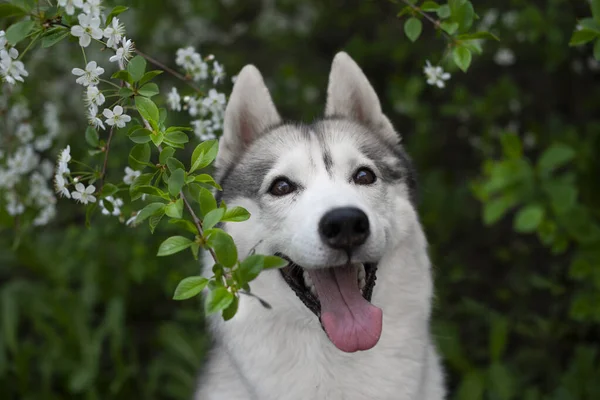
(29,45)
(106,150)
(169,70)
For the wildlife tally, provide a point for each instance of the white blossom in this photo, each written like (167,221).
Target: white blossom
(84,194)
(60,185)
(114,33)
(11,69)
(63,161)
(3,40)
(435,75)
(92,115)
(51,119)
(130,175)
(116,205)
(69,5)
(504,57)
(204,129)
(89,76)
(124,52)
(116,117)
(45,216)
(94,96)
(218,72)
(23,160)
(24,132)
(14,206)
(174,100)
(88,28)
(93,7)
(192,63)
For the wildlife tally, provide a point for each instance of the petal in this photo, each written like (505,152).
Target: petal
(77,71)
(92,199)
(76,30)
(79,187)
(107,113)
(76,195)
(91,66)
(126,118)
(90,189)
(118,110)
(85,40)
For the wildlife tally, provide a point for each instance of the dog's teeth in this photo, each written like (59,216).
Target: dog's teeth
(307,280)
(313,290)
(362,283)
(361,272)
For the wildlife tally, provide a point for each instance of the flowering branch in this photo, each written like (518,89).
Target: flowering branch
(170,71)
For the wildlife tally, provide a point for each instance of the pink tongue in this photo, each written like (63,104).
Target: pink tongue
(351,322)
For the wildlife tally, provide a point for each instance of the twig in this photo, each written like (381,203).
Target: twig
(436,23)
(169,70)
(106,150)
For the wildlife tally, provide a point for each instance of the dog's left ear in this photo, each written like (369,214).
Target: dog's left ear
(350,95)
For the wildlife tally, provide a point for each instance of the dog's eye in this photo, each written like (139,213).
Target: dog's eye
(364,176)
(281,187)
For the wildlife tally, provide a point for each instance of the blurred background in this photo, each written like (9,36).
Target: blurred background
(509,198)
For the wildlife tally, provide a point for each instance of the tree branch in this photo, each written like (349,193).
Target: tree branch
(436,23)
(169,70)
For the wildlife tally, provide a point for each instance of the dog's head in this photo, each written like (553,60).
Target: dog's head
(332,197)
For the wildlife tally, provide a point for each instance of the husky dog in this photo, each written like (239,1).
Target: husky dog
(350,312)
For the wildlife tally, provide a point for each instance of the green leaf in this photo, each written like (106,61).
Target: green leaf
(563,195)
(108,190)
(126,92)
(19,31)
(175,209)
(54,36)
(450,27)
(462,58)
(590,24)
(8,10)
(205,178)
(9,316)
(139,156)
(173,245)
(236,214)
(413,28)
(212,218)
(597,50)
(511,145)
(555,157)
(184,224)
(140,181)
(472,386)
(231,310)
(496,208)
(189,287)
(140,135)
(123,75)
(444,11)
(464,16)
(498,337)
(157,137)
(155,219)
(583,36)
(596,10)
(165,154)
(501,382)
(528,218)
(91,136)
(404,11)
(177,137)
(174,164)
(478,35)
(147,109)
(148,76)
(206,200)
(223,246)
(114,12)
(153,191)
(217,300)
(271,262)
(148,211)
(430,6)
(136,67)
(176,182)
(250,268)
(149,90)
(204,154)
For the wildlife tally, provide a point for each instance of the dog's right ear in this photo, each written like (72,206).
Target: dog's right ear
(249,112)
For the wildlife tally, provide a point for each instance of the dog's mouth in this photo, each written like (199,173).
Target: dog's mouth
(341,297)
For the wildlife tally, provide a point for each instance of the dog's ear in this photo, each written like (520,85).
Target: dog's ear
(350,95)
(249,112)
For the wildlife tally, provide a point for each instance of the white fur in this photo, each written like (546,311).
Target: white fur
(283,353)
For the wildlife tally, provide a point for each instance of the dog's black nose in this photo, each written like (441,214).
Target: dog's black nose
(344,228)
